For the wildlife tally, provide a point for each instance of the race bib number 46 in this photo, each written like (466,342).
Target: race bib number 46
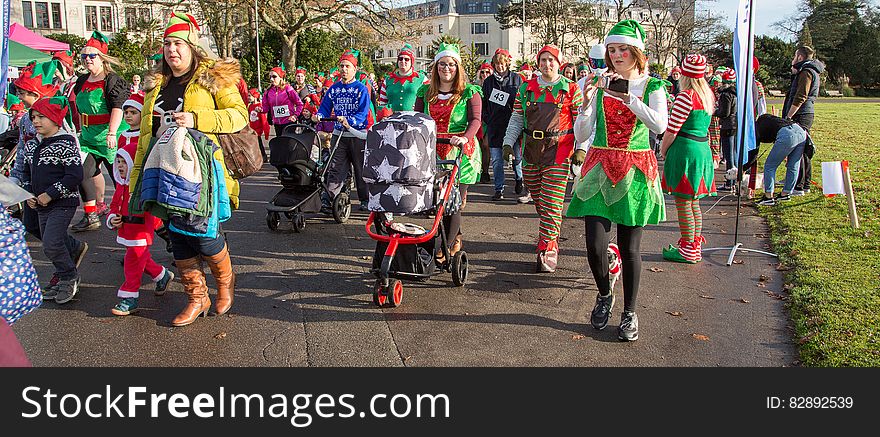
(499,97)
(281,111)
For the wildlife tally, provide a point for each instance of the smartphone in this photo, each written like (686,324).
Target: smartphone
(619,85)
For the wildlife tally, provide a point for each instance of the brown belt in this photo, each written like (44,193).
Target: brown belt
(540,134)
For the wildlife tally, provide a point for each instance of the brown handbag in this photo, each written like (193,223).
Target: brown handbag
(241,152)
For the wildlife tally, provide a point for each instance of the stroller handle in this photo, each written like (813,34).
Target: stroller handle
(333,118)
(444,141)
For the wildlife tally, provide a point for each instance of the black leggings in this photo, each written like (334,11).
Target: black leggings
(91,168)
(629,239)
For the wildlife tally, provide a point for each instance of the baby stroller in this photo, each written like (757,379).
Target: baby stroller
(302,178)
(420,185)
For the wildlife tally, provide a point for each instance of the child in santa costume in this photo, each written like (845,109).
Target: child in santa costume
(688,173)
(544,113)
(134,231)
(258,120)
(619,179)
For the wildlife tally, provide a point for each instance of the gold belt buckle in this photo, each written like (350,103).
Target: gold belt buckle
(538,134)
(84,120)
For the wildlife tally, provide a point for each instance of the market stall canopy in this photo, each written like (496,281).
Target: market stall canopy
(21,34)
(20,55)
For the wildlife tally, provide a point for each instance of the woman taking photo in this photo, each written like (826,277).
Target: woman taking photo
(100,94)
(688,172)
(187,89)
(544,112)
(281,101)
(456,107)
(619,179)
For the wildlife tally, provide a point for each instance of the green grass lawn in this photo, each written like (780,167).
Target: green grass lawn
(834,275)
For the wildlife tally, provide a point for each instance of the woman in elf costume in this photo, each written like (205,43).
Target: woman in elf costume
(398,91)
(456,107)
(619,178)
(100,94)
(688,173)
(544,112)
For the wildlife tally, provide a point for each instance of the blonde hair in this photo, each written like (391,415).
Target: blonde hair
(701,87)
(109,61)
(638,55)
(459,83)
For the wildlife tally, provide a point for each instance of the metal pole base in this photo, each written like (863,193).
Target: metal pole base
(739,247)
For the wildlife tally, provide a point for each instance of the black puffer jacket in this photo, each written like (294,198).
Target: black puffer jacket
(725,109)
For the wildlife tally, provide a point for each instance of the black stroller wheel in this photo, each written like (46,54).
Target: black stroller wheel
(459,267)
(341,208)
(273,220)
(299,222)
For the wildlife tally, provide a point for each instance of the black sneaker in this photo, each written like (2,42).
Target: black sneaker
(602,311)
(89,222)
(783,198)
(162,283)
(518,188)
(498,195)
(81,253)
(767,201)
(51,290)
(67,289)
(629,327)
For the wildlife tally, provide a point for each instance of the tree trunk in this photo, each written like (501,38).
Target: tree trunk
(288,52)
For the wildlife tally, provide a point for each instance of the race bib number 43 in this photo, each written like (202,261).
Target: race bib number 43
(281,111)
(499,97)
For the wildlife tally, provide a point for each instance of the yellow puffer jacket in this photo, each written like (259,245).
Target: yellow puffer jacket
(212,96)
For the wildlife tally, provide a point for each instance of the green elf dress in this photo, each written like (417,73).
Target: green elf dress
(688,171)
(399,92)
(453,121)
(94,111)
(619,178)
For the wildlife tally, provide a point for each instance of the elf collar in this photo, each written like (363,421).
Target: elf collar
(560,86)
(404,79)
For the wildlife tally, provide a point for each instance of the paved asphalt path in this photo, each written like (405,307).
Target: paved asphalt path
(304,300)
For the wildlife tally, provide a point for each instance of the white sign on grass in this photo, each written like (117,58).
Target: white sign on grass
(832,178)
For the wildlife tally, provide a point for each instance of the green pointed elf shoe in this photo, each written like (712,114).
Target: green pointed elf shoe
(677,254)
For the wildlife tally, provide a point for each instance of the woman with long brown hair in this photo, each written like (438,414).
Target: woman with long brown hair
(456,107)
(187,89)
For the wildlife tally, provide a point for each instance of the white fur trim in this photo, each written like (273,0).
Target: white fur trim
(110,217)
(449,53)
(123,294)
(628,40)
(598,51)
(161,275)
(127,157)
(134,104)
(131,243)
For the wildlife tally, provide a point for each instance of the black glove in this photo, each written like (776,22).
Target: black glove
(507,152)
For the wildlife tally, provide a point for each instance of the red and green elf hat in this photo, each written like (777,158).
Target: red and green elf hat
(99,41)
(66,57)
(13,103)
(158,55)
(183,26)
(553,50)
(351,55)
(37,78)
(53,108)
(408,51)
(301,70)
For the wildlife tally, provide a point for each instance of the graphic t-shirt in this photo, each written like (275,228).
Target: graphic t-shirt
(168,101)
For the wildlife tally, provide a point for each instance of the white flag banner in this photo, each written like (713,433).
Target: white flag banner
(832,178)
(743,49)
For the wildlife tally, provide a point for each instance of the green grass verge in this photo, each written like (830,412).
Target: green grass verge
(834,276)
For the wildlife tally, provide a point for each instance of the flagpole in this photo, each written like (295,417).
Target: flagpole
(257,22)
(741,118)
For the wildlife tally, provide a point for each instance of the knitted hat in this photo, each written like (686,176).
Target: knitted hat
(628,32)
(53,108)
(135,101)
(254,93)
(755,64)
(553,50)
(675,70)
(451,50)
(99,41)
(66,57)
(486,66)
(183,26)
(126,152)
(350,55)
(694,66)
(37,78)
(407,51)
(525,67)
(300,70)
(501,51)
(13,103)
(728,76)
(278,71)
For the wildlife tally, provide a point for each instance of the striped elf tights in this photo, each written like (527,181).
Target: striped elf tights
(547,184)
(690,223)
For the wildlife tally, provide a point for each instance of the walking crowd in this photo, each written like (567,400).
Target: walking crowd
(600,124)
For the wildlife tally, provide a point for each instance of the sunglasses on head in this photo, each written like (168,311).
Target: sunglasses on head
(88,56)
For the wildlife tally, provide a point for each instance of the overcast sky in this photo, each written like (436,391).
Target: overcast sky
(767,12)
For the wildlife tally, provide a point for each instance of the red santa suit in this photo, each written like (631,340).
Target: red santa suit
(136,232)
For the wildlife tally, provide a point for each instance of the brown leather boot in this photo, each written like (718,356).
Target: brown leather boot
(193,279)
(221,268)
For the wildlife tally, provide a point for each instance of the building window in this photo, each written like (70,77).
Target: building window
(27,12)
(487,7)
(56,15)
(479,28)
(482,48)
(91,18)
(41,15)
(410,14)
(106,18)
(419,51)
(472,8)
(430,30)
(535,47)
(440,28)
(131,18)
